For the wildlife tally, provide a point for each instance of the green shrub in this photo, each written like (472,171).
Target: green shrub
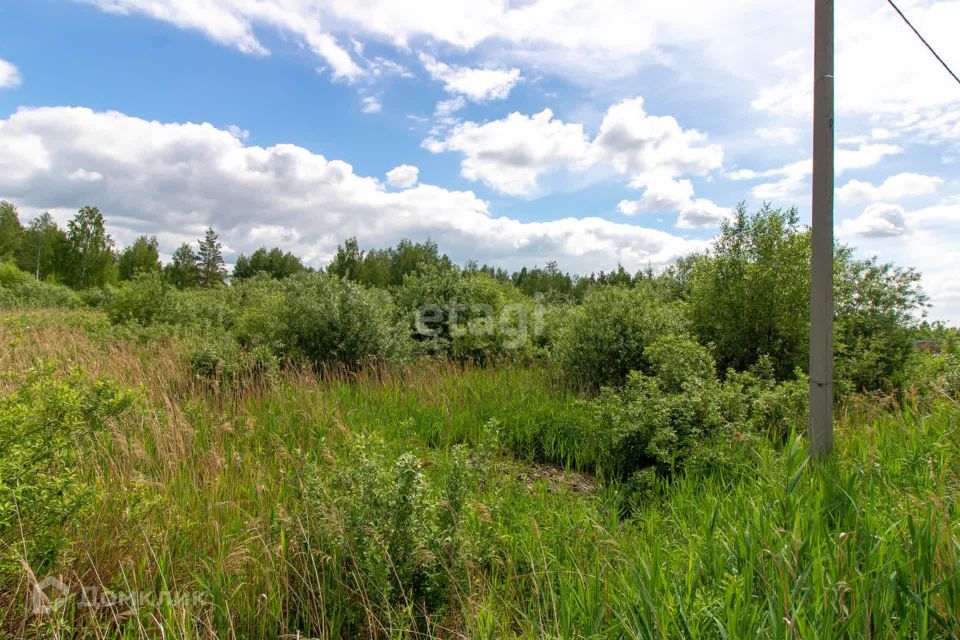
(324,319)
(468,315)
(98,298)
(46,424)
(20,290)
(682,415)
(397,538)
(223,360)
(146,299)
(605,338)
(749,297)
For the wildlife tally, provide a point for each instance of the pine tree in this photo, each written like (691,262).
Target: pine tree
(210,259)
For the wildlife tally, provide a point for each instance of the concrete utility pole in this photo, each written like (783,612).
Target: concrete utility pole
(821,272)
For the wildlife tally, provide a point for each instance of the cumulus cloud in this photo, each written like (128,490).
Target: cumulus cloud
(646,147)
(479,85)
(663,194)
(403,177)
(897,187)
(9,75)
(702,213)
(510,154)
(878,220)
(157,177)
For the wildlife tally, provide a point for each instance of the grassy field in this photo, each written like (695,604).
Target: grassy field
(437,500)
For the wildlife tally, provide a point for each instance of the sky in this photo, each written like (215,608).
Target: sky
(510,132)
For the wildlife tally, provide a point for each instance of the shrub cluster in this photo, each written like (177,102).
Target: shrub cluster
(397,538)
(46,424)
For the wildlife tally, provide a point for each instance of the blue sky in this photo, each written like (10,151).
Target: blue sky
(512,133)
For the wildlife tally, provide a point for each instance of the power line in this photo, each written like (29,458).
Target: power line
(924,41)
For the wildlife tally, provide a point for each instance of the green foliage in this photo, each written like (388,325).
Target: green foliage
(20,290)
(750,296)
(183,270)
(146,298)
(325,319)
(46,425)
(224,361)
(385,267)
(45,249)
(142,256)
(606,336)
(275,263)
(211,271)
(682,412)
(468,315)
(91,262)
(549,281)
(399,536)
(876,311)
(11,232)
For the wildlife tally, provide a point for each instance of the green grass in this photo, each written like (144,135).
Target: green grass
(206,490)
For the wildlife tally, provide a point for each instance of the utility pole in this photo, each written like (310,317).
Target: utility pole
(821,271)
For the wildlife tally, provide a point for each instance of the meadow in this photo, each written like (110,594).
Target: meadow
(299,457)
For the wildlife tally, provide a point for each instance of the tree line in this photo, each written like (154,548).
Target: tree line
(84,256)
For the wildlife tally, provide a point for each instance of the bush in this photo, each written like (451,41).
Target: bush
(324,319)
(681,414)
(45,425)
(20,290)
(224,361)
(146,299)
(468,315)
(749,297)
(397,538)
(605,338)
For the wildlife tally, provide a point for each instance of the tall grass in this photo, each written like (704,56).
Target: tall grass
(232,492)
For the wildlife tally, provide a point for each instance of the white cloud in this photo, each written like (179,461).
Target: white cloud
(232,22)
(702,213)
(865,155)
(403,177)
(370,104)
(510,154)
(575,38)
(661,195)
(665,194)
(882,70)
(877,221)
(157,177)
(793,177)
(479,85)
(897,187)
(9,75)
(646,147)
